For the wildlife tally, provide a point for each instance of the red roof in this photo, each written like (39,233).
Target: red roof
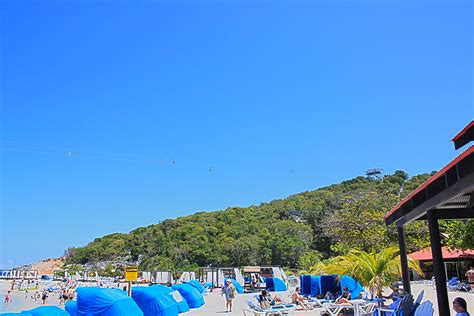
(461,133)
(430,180)
(426,255)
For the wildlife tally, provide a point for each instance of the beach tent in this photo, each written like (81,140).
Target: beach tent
(198,286)
(46,311)
(187,276)
(310,285)
(164,277)
(315,285)
(238,276)
(154,302)
(275,284)
(329,283)
(279,273)
(105,302)
(354,287)
(182,304)
(190,294)
(305,284)
(71,308)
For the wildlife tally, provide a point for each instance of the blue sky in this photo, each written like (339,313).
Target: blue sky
(116,115)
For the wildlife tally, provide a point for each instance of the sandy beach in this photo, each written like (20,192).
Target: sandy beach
(215,303)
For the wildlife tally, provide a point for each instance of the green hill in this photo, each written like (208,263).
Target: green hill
(320,223)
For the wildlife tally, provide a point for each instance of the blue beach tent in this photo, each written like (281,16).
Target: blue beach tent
(92,301)
(198,286)
(71,307)
(310,285)
(354,287)
(275,284)
(190,294)
(329,283)
(183,306)
(154,302)
(315,285)
(46,311)
(305,284)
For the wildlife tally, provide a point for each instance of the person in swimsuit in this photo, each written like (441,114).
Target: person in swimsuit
(345,297)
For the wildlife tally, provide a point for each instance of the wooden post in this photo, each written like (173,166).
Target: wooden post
(404,259)
(438,265)
(129,288)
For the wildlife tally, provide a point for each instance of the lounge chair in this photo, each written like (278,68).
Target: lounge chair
(405,304)
(359,306)
(417,303)
(425,309)
(258,311)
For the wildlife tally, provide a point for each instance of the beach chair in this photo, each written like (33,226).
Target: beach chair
(425,309)
(404,305)
(335,309)
(255,310)
(417,303)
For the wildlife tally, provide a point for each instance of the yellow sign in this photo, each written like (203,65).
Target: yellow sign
(131,274)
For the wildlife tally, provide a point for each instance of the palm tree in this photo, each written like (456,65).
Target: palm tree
(374,270)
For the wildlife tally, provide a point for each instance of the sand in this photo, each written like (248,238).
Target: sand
(215,303)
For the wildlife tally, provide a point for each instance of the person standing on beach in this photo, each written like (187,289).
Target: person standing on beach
(8,298)
(44,297)
(229,292)
(470,277)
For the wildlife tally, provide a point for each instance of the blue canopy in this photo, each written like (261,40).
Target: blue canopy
(275,284)
(198,286)
(93,301)
(16,314)
(329,283)
(354,287)
(238,286)
(190,294)
(305,284)
(154,302)
(71,308)
(182,304)
(46,311)
(315,285)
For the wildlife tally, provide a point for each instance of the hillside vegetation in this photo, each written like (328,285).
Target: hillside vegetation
(287,232)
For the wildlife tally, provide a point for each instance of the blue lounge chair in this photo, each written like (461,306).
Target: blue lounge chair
(425,309)
(405,304)
(258,311)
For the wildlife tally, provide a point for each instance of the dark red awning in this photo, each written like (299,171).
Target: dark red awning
(465,136)
(431,187)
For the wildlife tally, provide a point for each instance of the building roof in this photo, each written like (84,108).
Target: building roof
(449,188)
(426,255)
(465,136)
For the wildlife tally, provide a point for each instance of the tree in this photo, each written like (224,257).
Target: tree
(358,222)
(458,233)
(373,270)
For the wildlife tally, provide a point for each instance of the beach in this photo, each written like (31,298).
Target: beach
(215,303)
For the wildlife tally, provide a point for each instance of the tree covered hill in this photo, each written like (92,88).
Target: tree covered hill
(287,232)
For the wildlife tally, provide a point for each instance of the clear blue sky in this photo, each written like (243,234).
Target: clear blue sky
(252,100)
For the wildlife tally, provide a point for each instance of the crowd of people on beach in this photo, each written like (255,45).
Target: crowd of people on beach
(31,288)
